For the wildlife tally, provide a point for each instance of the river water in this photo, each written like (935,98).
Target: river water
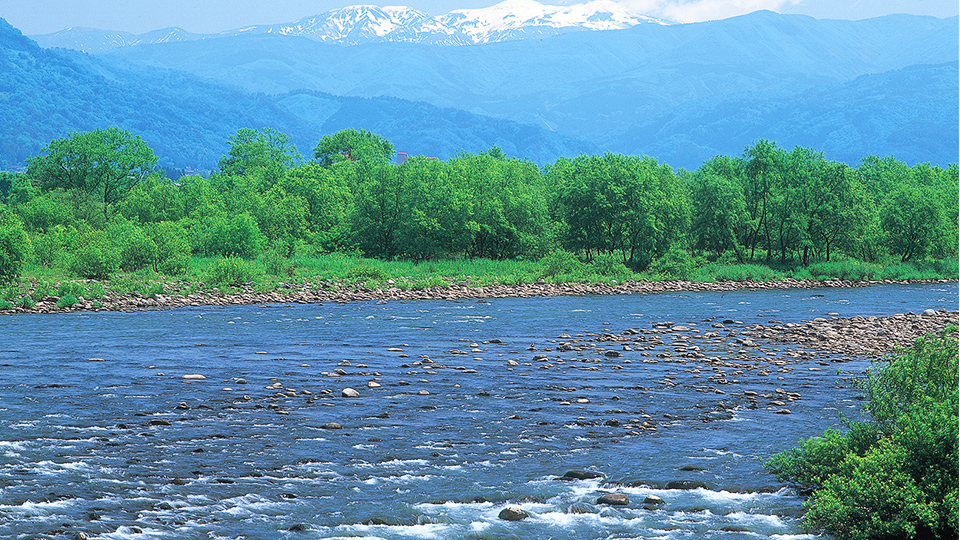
(442,445)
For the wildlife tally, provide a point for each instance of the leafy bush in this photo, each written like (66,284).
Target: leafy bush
(94,257)
(559,262)
(895,476)
(14,246)
(70,287)
(66,300)
(229,272)
(676,263)
(4,305)
(172,247)
(137,251)
(610,265)
(174,265)
(367,272)
(238,236)
(26,302)
(739,272)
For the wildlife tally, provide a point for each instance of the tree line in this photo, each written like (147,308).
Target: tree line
(95,203)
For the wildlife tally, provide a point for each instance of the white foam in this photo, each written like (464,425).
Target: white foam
(757,519)
(123,533)
(15,445)
(30,508)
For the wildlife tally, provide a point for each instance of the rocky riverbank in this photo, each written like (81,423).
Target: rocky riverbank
(290,293)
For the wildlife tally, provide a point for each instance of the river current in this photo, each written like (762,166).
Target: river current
(476,410)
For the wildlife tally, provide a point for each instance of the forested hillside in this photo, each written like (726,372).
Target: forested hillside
(46,94)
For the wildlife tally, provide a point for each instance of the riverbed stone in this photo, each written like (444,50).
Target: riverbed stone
(193,377)
(580,475)
(513,513)
(349,393)
(615,499)
(685,484)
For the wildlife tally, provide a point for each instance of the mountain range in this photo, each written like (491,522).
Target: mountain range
(681,93)
(506,21)
(186,119)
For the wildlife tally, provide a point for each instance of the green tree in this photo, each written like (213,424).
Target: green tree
(103,164)
(265,152)
(614,203)
(94,256)
(434,212)
(352,145)
(762,179)
(377,211)
(719,213)
(329,203)
(911,219)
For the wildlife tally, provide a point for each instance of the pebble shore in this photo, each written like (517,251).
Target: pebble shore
(288,293)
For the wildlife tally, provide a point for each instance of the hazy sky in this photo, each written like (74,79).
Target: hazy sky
(209,16)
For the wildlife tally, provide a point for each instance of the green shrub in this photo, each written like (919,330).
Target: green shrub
(172,248)
(44,289)
(895,476)
(66,300)
(94,257)
(238,236)
(4,305)
(610,265)
(229,272)
(676,263)
(559,262)
(14,246)
(367,272)
(26,302)
(278,265)
(70,287)
(175,265)
(51,247)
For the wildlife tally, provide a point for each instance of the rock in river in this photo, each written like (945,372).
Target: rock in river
(513,513)
(616,499)
(580,475)
(349,393)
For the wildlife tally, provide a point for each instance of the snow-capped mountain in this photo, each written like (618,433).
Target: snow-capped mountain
(508,20)
(364,23)
(518,19)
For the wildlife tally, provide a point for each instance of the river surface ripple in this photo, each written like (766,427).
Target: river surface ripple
(442,446)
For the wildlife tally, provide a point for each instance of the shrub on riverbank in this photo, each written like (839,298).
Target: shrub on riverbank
(896,475)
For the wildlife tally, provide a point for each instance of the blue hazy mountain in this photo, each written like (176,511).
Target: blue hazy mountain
(48,93)
(647,89)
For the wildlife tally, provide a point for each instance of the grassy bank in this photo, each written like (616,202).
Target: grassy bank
(272,273)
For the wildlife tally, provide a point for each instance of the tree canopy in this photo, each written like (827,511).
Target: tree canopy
(103,163)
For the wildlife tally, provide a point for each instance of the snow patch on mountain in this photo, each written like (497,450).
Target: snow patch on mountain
(508,20)
(511,19)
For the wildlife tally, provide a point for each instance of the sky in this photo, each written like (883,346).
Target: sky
(35,17)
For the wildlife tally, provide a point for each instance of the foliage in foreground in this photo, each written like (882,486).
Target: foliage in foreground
(896,475)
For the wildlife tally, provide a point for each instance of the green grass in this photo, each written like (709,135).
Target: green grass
(270,272)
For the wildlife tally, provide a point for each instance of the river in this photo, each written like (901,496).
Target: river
(467,418)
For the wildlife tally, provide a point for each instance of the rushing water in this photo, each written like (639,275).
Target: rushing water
(83,445)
